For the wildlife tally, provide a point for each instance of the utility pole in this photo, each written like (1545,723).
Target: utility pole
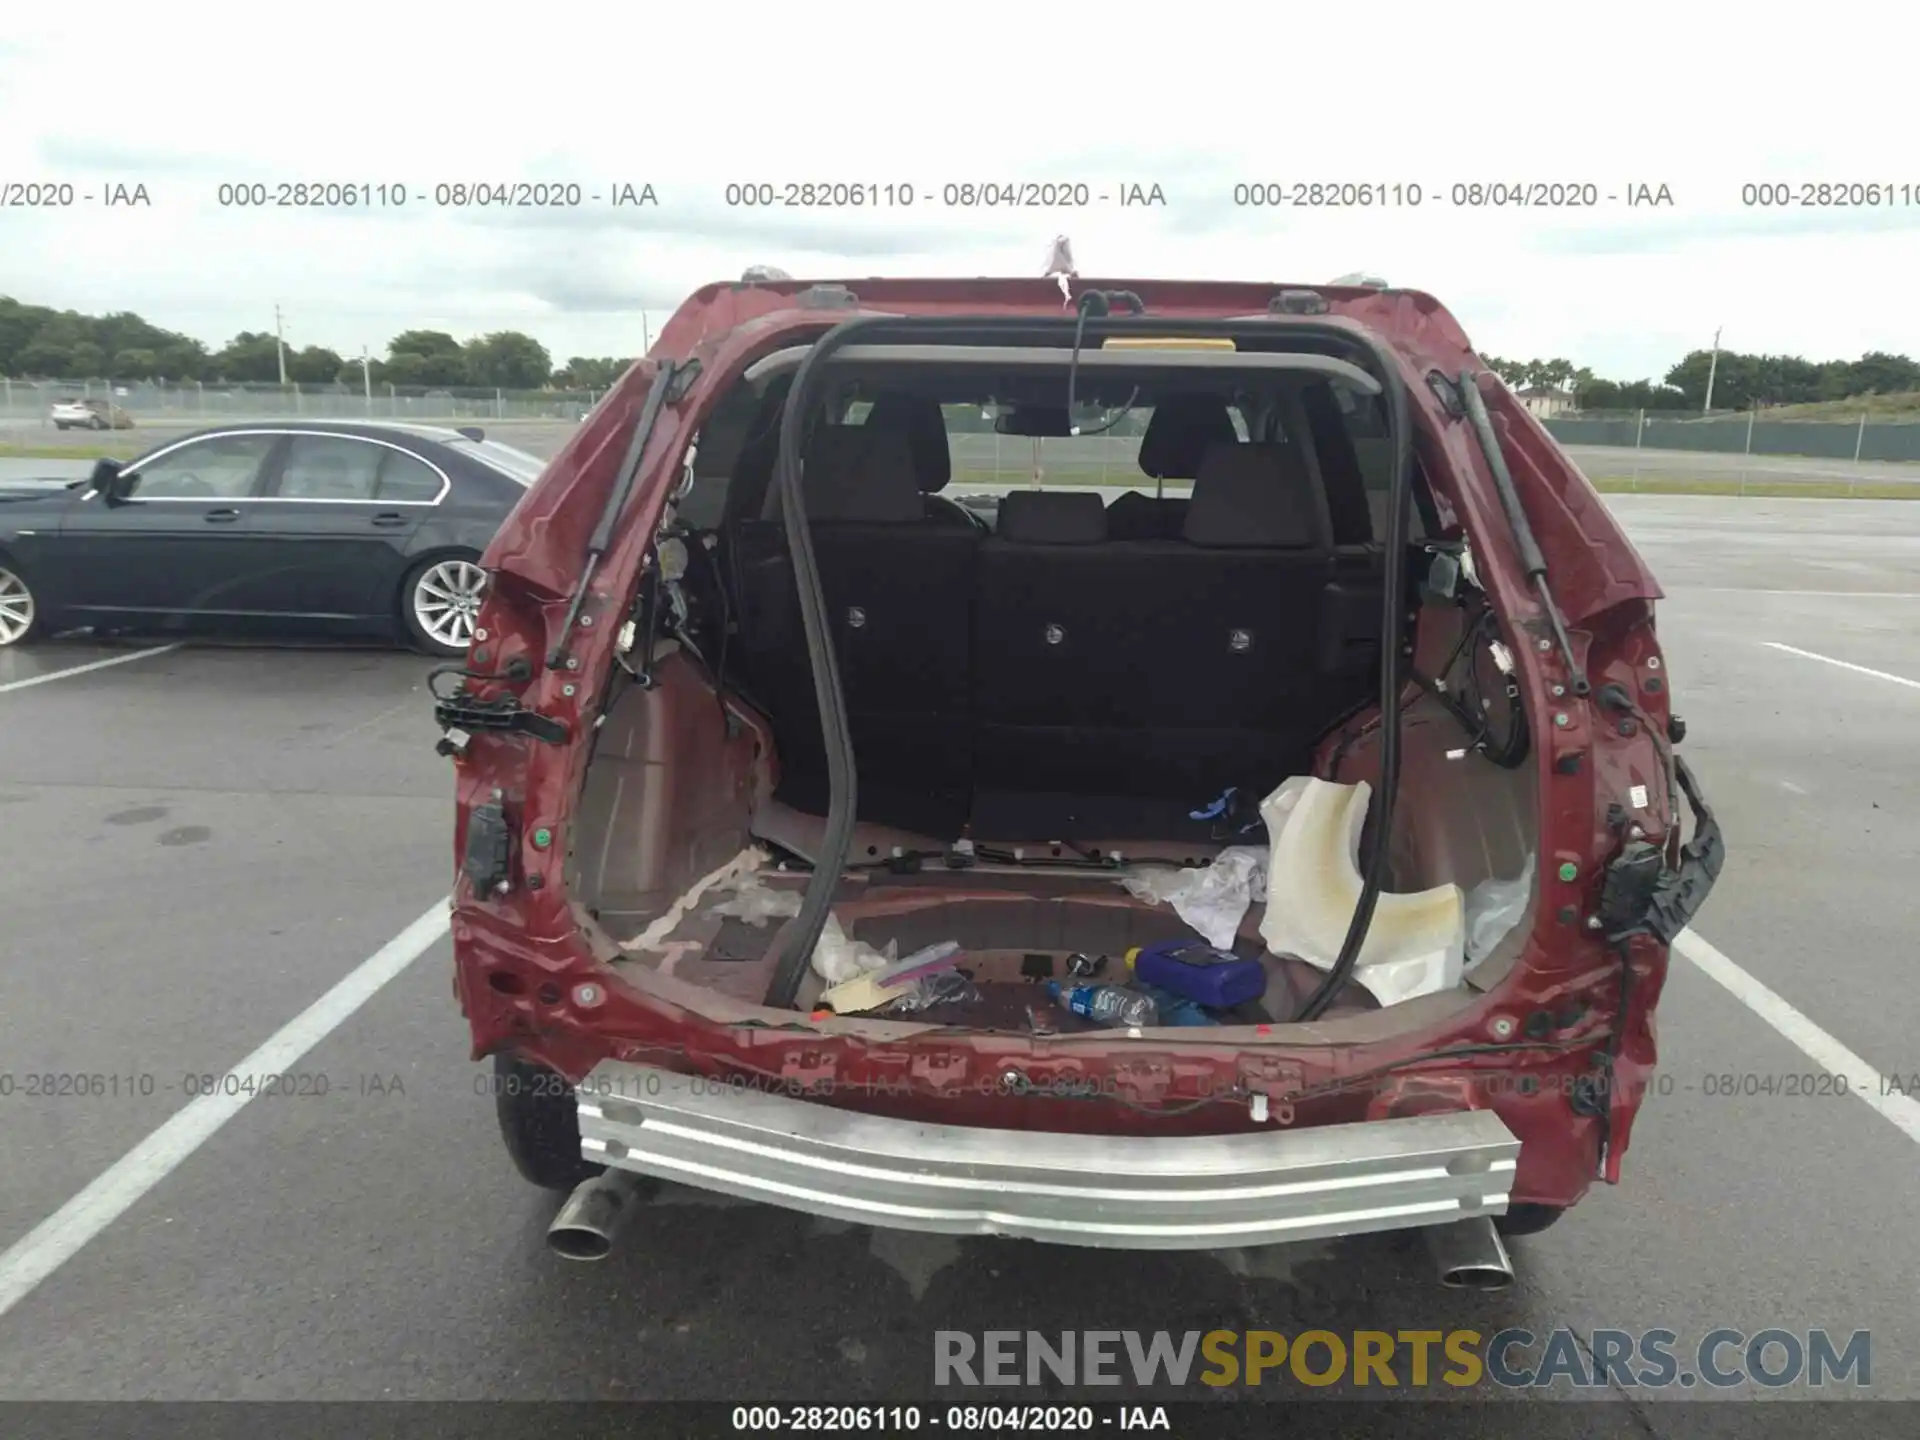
(366,377)
(1713,367)
(280,345)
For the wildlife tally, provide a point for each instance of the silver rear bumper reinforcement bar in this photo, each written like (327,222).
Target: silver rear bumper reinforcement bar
(1153,1193)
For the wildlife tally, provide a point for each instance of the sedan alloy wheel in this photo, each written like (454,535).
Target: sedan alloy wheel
(17,610)
(446,602)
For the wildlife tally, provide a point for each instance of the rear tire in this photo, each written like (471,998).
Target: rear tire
(440,603)
(1527,1219)
(22,620)
(539,1124)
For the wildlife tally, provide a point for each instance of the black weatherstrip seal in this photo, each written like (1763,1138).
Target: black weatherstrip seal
(796,947)
(1399,506)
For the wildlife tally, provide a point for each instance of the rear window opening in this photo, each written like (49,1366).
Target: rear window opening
(1053,649)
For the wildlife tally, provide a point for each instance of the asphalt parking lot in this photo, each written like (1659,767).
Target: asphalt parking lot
(198,842)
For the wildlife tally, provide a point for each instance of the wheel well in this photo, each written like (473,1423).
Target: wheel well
(444,552)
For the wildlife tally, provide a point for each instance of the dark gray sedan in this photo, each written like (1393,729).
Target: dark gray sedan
(264,529)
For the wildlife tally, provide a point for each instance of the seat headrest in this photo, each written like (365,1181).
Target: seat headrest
(1182,428)
(1258,496)
(925,427)
(1052,517)
(853,473)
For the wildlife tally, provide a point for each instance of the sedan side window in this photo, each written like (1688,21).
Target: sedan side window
(407,477)
(330,467)
(223,467)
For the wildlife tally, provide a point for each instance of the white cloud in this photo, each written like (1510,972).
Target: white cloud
(1193,98)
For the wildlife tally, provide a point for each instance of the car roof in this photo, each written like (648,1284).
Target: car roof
(440,443)
(432,440)
(365,429)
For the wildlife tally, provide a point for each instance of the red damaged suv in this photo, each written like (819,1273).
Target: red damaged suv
(1187,766)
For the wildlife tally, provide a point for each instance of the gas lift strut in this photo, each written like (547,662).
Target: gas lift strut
(796,948)
(459,713)
(1531,559)
(672,378)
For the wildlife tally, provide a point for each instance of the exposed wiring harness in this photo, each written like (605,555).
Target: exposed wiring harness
(1114,419)
(912,860)
(1466,704)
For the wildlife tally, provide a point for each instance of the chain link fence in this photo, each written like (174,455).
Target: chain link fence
(1743,433)
(982,455)
(1111,457)
(26,403)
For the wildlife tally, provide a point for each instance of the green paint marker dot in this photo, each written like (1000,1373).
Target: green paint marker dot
(1568,871)
(543,837)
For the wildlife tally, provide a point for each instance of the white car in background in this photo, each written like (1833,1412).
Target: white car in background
(89,415)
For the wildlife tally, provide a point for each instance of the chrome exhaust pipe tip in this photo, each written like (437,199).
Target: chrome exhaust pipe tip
(1470,1255)
(594,1215)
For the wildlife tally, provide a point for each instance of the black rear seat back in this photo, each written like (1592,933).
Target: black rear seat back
(1052,517)
(1232,621)
(1169,668)
(1350,632)
(1139,516)
(899,593)
(1048,657)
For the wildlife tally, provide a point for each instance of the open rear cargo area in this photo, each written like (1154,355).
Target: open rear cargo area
(1048,692)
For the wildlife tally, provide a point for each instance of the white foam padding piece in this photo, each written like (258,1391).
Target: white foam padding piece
(1416,943)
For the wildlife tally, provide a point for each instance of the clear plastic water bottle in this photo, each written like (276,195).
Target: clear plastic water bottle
(1109,1004)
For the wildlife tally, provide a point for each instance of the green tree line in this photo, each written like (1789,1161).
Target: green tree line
(39,343)
(1740,381)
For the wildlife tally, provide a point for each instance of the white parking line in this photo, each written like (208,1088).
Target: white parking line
(1817,594)
(83,669)
(1843,664)
(1863,1081)
(59,1237)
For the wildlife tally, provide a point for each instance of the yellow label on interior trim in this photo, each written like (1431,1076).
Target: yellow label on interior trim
(1168,342)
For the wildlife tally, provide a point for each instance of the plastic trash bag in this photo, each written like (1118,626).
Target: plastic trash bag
(1213,898)
(839,957)
(949,987)
(757,902)
(1494,907)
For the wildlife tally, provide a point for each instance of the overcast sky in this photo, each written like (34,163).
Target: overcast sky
(1193,97)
